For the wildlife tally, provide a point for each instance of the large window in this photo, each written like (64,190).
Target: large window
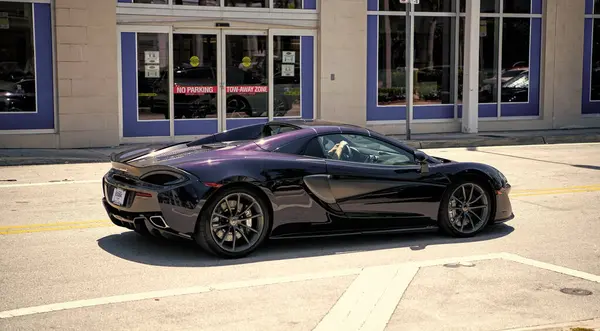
(433,54)
(153,76)
(17,61)
(509,58)
(504,50)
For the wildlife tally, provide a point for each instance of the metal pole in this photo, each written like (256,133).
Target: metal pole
(410,64)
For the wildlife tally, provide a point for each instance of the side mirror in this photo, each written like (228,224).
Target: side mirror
(421,159)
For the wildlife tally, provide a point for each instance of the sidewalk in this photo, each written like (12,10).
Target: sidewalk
(12,157)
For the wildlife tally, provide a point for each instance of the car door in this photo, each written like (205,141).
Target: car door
(380,182)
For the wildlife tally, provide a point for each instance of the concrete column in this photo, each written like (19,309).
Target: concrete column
(470,114)
(86,44)
(343,58)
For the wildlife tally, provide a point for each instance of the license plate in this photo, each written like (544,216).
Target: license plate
(118,196)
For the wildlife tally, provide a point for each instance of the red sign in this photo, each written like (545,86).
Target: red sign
(201,90)
(247,89)
(194,90)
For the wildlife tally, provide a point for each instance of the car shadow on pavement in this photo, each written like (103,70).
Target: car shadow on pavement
(183,253)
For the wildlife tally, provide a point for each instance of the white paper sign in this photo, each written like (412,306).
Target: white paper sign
(287,70)
(289,57)
(152,57)
(4,21)
(152,71)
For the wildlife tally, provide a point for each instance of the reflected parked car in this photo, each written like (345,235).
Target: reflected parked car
(17,97)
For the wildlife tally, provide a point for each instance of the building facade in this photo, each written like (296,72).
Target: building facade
(95,73)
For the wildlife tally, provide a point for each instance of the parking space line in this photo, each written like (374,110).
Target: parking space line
(92,181)
(174,292)
(551,267)
(367,304)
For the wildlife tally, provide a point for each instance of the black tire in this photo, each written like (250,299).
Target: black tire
(204,235)
(444,220)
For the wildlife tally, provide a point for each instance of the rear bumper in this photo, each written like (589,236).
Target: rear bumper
(142,222)
(171,210)
(504,211)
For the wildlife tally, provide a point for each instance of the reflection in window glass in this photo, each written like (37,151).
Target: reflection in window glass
(247,3)
(152,2)
(515,60)
(391,5)
(153,76)
(392,60)
(197,2)
(488,59)
(487,6)
(595,86)
(596,6)
(433,62)
(195,75)
(287,77)
(436,6)
(247,84)
(517,6)
(288,4)
(17,72)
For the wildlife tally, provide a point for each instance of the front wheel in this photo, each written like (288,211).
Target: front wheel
(465,209)
(234,223)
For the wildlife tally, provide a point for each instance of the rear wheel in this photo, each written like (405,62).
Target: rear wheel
(234,223)
(465,209)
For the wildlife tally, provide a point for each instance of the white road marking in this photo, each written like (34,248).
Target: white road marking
(92,181)
(551,267)
(383,311)
(173,292)
(367,304)
(357,302)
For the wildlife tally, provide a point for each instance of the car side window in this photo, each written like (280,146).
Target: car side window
(363,149)
(313,148)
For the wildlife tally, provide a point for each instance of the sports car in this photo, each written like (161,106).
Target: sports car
(231,191)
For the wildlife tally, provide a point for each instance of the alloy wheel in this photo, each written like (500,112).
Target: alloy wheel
(468,208)
(237,222)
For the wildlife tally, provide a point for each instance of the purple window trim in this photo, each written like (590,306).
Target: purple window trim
(390,113)
(131,126)
(307,64)
(44,77)
(589,6)
(588,106)
(196,127)
(536,6)
(372,5)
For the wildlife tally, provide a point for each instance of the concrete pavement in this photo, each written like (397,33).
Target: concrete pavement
(63,268)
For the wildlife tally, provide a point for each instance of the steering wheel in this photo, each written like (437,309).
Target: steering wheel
(346,153)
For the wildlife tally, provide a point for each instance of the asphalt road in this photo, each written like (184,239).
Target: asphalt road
(64,266)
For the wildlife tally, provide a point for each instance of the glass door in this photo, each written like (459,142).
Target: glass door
(245,73)
(195,82)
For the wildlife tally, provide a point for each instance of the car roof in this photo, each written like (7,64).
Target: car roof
(321,126)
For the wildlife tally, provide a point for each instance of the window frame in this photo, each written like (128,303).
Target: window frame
(36,27)
(405,113)
(589,106)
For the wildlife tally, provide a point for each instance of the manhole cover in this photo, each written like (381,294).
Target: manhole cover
(575,291)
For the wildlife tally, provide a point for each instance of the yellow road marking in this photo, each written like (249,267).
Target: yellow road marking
(552,191)
(61,226)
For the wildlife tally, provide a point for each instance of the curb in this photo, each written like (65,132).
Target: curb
(487,141)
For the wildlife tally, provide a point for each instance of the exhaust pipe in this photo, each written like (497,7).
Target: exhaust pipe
(159,222)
